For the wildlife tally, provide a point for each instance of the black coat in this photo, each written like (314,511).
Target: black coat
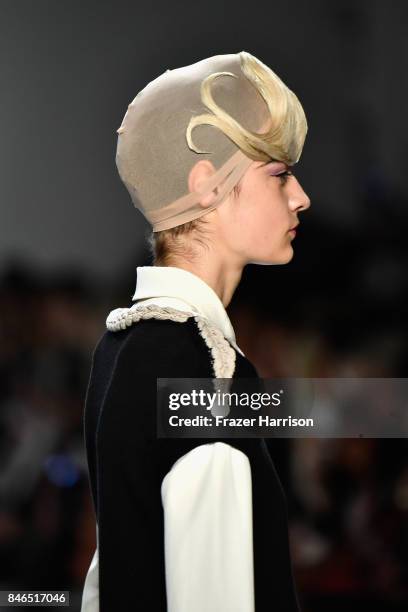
(127,463)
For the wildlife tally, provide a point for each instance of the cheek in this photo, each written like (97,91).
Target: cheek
(250,220)
(266,218)
(258,221)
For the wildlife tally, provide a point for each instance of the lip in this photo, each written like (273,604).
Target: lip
(294,228)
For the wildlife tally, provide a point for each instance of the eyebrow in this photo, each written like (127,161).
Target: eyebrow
(273,161)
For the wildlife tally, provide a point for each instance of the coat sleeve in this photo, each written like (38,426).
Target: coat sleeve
(207,505)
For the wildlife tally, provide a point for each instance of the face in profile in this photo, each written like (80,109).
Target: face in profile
(257,223)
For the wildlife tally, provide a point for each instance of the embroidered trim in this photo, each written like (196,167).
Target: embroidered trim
(222,353)
(120,318)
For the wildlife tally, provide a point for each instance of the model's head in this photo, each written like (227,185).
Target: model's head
(228,186)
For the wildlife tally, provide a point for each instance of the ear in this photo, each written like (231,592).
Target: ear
(199,173)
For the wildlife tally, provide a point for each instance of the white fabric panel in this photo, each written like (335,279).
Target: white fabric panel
(90,595)
(207,503)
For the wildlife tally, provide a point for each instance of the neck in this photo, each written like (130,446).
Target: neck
(221,277)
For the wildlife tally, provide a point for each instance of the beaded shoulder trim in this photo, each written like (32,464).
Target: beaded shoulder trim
(222,353)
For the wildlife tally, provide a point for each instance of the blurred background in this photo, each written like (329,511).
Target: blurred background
(70,242)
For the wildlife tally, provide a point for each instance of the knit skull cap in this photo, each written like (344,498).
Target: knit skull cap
(153,156)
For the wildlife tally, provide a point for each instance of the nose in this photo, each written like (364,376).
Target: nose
(298,199)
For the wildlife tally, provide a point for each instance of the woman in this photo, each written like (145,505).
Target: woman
(192,525)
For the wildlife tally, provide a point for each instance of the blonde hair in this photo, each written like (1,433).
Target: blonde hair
(283,141)
(285,137)
(167,246)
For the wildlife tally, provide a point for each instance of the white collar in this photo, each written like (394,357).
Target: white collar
(173,282)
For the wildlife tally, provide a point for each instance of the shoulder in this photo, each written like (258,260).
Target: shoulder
(164,347)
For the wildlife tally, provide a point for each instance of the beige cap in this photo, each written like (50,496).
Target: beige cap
(153,155)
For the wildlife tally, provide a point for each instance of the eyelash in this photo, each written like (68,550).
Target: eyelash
(284,176)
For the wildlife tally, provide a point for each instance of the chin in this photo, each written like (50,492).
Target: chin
(289,256)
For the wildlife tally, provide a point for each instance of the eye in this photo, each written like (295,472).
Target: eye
(284,176)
